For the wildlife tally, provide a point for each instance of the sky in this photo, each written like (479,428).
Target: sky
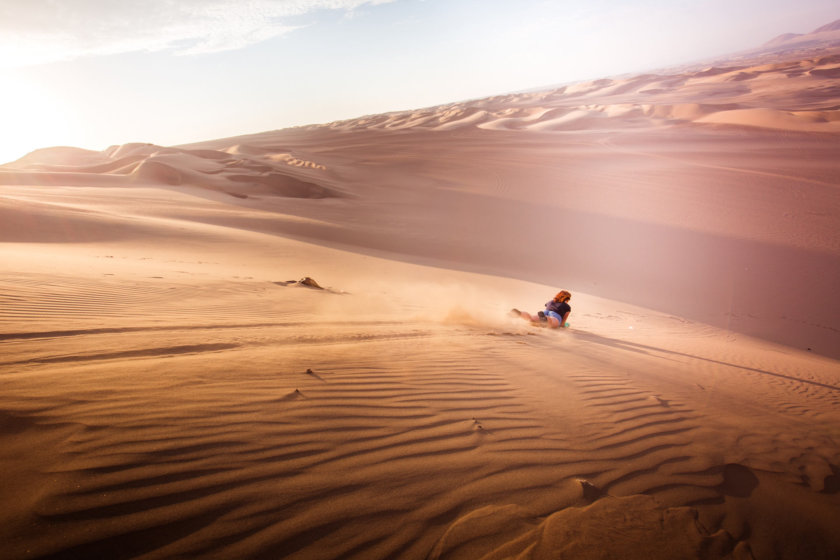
(94,73)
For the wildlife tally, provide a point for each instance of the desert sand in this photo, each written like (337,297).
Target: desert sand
(169,390)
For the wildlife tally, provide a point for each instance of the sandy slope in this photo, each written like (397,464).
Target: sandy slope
(168,394)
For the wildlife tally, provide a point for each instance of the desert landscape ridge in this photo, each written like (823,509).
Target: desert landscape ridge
(297,343)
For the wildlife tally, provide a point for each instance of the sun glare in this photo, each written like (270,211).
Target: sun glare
(32,118)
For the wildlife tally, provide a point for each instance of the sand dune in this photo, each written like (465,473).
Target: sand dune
(199,409)
(170,391)
(239,171)
(734,164)
(723,85)
(825,35)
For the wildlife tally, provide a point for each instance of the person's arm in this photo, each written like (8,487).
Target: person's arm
(565,318)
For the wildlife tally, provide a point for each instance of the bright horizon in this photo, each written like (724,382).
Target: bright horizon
(96,73)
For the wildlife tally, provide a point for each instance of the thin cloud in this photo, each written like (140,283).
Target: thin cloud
(40,31)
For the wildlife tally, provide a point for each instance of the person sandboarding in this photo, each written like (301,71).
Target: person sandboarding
(556,312)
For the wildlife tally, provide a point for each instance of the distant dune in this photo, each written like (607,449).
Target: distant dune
(228,172)
(172,389)
(824,36)
(833,26)
(782,39)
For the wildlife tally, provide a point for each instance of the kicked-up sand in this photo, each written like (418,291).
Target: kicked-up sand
(171,390)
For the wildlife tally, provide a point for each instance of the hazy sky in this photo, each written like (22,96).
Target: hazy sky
(92,73)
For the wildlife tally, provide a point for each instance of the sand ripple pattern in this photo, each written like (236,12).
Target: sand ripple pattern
(197,441)
(148,417)
(74,300)
(248,464)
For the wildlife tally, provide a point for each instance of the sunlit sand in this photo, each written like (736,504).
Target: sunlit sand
(171,391)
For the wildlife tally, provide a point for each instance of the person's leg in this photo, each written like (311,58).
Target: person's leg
(525,315)
(528,317)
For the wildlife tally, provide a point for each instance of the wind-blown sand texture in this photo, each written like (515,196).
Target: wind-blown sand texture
(169,392)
